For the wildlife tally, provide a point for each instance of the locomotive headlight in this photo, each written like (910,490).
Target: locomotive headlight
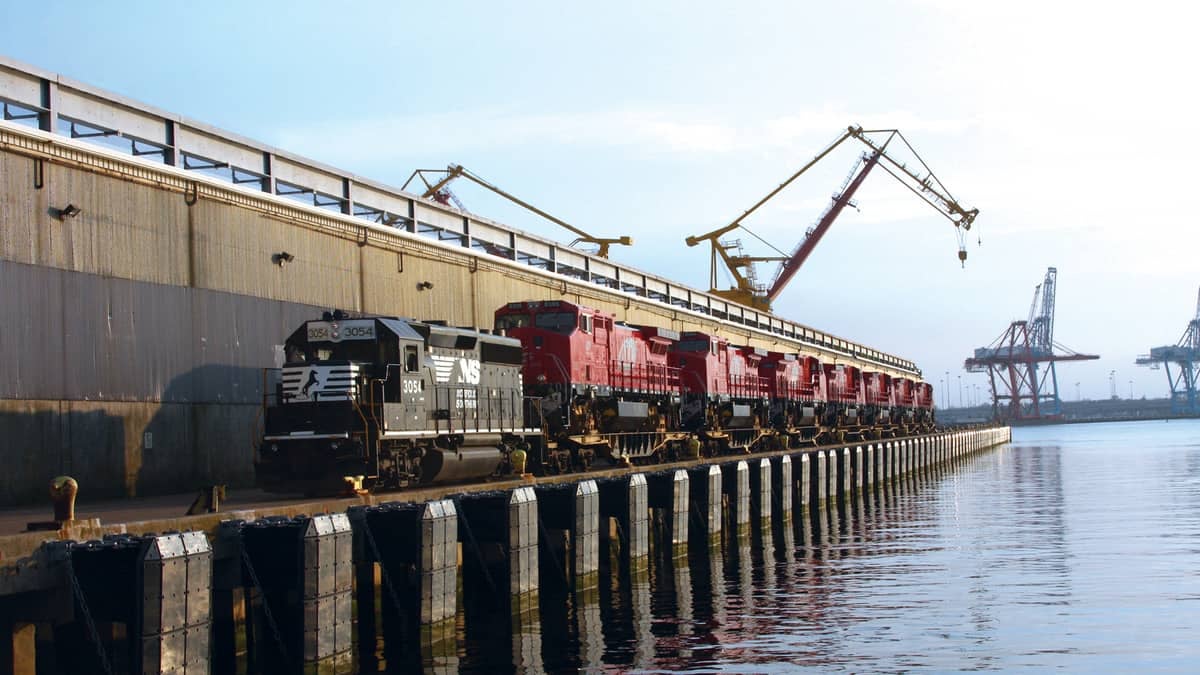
(541,379)
(274,448)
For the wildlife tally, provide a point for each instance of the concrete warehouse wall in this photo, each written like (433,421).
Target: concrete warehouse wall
(133,334)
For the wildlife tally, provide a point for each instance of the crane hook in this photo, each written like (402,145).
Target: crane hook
(962,256)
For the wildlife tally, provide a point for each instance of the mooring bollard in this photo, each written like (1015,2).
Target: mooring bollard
(63,490)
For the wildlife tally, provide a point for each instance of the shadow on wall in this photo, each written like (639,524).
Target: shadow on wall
(131,448)
(205,432)
(47,439)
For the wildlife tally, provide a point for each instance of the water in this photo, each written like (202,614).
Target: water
(1076,547)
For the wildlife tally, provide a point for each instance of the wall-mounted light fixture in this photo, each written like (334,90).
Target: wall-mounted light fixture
(68,211)
(424,285)
(282,257)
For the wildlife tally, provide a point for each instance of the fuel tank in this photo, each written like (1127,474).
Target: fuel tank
(625,416)
(807,416)
(464,464)
(737,416)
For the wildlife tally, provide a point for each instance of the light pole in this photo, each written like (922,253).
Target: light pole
(1077,392)
(1131,390)
(947,389)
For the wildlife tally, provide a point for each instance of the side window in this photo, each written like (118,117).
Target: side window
(585,323)
(410,358)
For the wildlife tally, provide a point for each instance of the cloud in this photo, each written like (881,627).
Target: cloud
(645,130)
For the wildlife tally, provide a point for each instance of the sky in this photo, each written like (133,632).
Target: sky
(1066,124)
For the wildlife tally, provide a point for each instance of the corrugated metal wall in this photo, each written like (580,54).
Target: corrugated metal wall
(133,335)
(68,335)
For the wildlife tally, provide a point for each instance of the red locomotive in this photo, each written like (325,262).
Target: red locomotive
(797,397)
(603,386)
(643,393)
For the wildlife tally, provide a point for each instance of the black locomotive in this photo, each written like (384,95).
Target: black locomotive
(393,402)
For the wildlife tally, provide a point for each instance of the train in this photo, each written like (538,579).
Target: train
(554,387)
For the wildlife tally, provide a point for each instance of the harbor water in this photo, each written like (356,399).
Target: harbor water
(1076,547)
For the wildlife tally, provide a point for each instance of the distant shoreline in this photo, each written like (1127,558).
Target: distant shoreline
(1097,420)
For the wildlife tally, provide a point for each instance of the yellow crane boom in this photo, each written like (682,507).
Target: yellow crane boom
(438,189)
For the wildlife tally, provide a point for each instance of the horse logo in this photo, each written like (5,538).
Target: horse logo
(313,380)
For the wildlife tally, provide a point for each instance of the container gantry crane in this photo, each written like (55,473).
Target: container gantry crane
(1013,361)
(923,183)
(1185,354)
(439,191)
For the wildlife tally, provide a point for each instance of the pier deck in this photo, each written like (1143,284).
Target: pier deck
(508,540)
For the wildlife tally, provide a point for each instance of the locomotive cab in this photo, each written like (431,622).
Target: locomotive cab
(561,356)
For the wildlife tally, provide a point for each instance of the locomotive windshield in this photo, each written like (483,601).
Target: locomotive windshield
(510,321)
(558,322)
(357,350)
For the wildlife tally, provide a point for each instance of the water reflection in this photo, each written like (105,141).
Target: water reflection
(1059,552)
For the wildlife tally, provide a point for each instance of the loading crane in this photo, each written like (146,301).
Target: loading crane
(439,191)
(1013,361)
(923,183)
(1185,354)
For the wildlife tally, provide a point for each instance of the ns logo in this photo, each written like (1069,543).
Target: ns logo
(468,371)
(455,370)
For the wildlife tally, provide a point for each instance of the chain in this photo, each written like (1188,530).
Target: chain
(87,616)
(266,605)
(558,564)
(387,579)
(466,523)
